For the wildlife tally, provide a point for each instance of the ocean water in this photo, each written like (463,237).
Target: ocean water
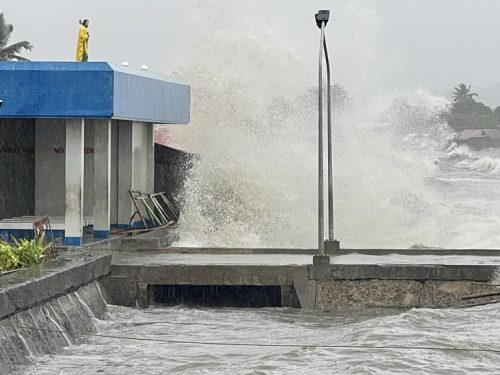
(181,340)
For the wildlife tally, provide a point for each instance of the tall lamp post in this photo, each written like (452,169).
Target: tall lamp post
(330,244)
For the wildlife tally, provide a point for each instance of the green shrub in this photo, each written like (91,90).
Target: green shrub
(8,257)
(31,252)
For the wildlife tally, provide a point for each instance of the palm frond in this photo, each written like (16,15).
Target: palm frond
(5,31)
(18,58)
(462,92)
(10,52)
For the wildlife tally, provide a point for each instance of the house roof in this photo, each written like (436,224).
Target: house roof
(467,134)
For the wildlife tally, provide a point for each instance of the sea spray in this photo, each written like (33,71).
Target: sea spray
(254,129)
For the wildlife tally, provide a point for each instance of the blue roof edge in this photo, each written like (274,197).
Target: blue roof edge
(148,74)
(51,65)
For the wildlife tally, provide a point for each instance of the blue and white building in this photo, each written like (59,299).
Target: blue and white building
(75,138)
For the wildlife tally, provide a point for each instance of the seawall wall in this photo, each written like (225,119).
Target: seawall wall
(42,308)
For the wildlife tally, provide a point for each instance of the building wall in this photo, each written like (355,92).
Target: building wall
(171,168)
(141,137)
(135,164)
(17,164)
(88,180)
(50,167)
(113,204)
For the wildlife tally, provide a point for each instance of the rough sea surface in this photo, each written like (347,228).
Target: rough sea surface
(399,331)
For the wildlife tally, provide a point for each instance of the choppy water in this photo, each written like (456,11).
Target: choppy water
(474,328)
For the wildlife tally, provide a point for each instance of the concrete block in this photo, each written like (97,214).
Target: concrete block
(320,269)
(332,247)
(289,297)
(143,295)
(121,289)
(306,292)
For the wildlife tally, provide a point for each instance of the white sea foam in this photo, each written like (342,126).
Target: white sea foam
(482,164)
(461,151)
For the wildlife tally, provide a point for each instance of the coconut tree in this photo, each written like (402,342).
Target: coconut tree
(10,52)
(467,113)
(462,92)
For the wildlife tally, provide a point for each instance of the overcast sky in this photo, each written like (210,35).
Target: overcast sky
(425,43)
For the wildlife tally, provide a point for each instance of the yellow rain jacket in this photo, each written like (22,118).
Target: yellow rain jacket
(82,45)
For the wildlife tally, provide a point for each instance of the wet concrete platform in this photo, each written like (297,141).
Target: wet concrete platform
(154,258)
(262,269)
(162,257)
(469,258)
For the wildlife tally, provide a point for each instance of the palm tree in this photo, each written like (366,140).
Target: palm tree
(462,92)
(10,52)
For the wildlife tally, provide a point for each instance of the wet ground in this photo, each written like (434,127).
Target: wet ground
(124,258)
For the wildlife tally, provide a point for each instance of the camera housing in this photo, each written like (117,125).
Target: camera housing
(1,103)
(322,16)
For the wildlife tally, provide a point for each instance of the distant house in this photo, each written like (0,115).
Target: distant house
(479,138)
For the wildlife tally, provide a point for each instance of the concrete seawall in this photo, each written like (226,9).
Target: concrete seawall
(39,303)
(135,275)
(401,285)
(67,294)
(397,293)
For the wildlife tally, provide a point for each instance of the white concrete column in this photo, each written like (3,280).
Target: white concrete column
(114,172)
(102,178)
(150,152)
(125,172)
(75,135)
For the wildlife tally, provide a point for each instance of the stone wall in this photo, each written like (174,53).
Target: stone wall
(398,293)
(17,167)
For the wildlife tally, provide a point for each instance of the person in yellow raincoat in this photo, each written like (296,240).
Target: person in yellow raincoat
(83,42)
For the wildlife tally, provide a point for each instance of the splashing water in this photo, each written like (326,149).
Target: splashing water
(475,328)
(254,127)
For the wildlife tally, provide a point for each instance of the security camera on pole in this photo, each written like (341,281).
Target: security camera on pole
(321,261)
